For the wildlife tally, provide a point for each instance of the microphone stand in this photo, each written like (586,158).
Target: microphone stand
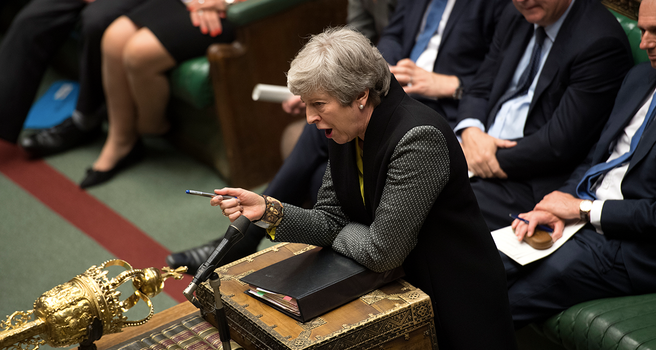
(219,312)
(234,233)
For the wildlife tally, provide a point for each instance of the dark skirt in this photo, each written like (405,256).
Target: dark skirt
(170,22)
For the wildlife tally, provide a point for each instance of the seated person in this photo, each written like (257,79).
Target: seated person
(138,50)
(398,197)
(437,60)
(614,192)
(34,37)
(28,47)
(539,100)
(300,175)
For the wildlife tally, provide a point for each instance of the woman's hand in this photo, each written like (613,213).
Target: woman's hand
(207,15)
(208,21)
(245,203)
(536,218)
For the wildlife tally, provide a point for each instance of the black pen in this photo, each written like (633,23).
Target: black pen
(207,194)
(540,227)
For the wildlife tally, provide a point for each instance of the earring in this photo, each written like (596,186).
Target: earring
(361,107)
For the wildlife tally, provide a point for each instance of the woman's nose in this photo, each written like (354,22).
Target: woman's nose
(311,116)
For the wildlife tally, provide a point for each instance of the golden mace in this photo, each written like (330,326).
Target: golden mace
(68,313)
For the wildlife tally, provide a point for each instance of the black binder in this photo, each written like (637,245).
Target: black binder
(320,280)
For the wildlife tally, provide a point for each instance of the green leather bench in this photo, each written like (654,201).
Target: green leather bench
(624,323)
(214,117)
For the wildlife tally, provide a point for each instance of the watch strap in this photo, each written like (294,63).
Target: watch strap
(273,213)
(584,210)
(457,95)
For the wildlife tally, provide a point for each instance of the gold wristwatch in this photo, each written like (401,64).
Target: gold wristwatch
(272,215)
(584,210)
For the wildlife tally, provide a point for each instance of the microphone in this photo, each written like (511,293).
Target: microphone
(234,233)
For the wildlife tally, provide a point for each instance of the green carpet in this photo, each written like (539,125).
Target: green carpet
(40,249)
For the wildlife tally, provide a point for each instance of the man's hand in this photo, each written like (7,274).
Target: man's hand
(294,105)
(561,204)
(419,81)
(536,218)
(480,151)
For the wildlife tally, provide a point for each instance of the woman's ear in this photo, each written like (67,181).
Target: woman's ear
(363,97)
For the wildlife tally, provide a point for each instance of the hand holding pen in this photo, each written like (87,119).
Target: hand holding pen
(247,203)
(529,222)
(206,194)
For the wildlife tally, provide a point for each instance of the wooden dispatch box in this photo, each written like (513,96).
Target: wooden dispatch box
(395,316)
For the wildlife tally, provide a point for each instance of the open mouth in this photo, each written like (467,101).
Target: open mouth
(329,133)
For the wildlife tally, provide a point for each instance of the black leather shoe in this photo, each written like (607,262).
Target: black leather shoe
(192,258)
(95,177)
(57,139)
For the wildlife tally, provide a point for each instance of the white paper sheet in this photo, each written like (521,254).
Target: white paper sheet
(523,253)
(271,93)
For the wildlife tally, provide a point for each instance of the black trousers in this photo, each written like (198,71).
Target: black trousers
(588,266)
(35,36)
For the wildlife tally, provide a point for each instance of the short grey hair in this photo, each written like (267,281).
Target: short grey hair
(342,63)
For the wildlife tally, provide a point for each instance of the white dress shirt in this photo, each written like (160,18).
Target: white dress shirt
(609,185)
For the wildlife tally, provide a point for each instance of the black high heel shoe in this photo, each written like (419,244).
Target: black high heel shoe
(95,177)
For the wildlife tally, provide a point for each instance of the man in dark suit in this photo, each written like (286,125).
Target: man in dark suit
(614,190)
(539,100)
(437,77)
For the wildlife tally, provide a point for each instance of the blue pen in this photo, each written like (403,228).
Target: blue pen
(540,227)
(207,194)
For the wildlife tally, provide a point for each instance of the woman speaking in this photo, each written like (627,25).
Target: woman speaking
(396,191)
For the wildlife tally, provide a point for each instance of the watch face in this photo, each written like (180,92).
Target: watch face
(586,206)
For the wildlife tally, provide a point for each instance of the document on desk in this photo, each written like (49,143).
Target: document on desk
(523,253)
(283,301)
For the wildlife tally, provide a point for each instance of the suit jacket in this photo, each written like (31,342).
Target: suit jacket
(573,96)
(418,211)
(370,17)
(632,220)
(467,36)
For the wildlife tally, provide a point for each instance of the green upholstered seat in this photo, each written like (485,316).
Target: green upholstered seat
(624,323)
(190,82)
